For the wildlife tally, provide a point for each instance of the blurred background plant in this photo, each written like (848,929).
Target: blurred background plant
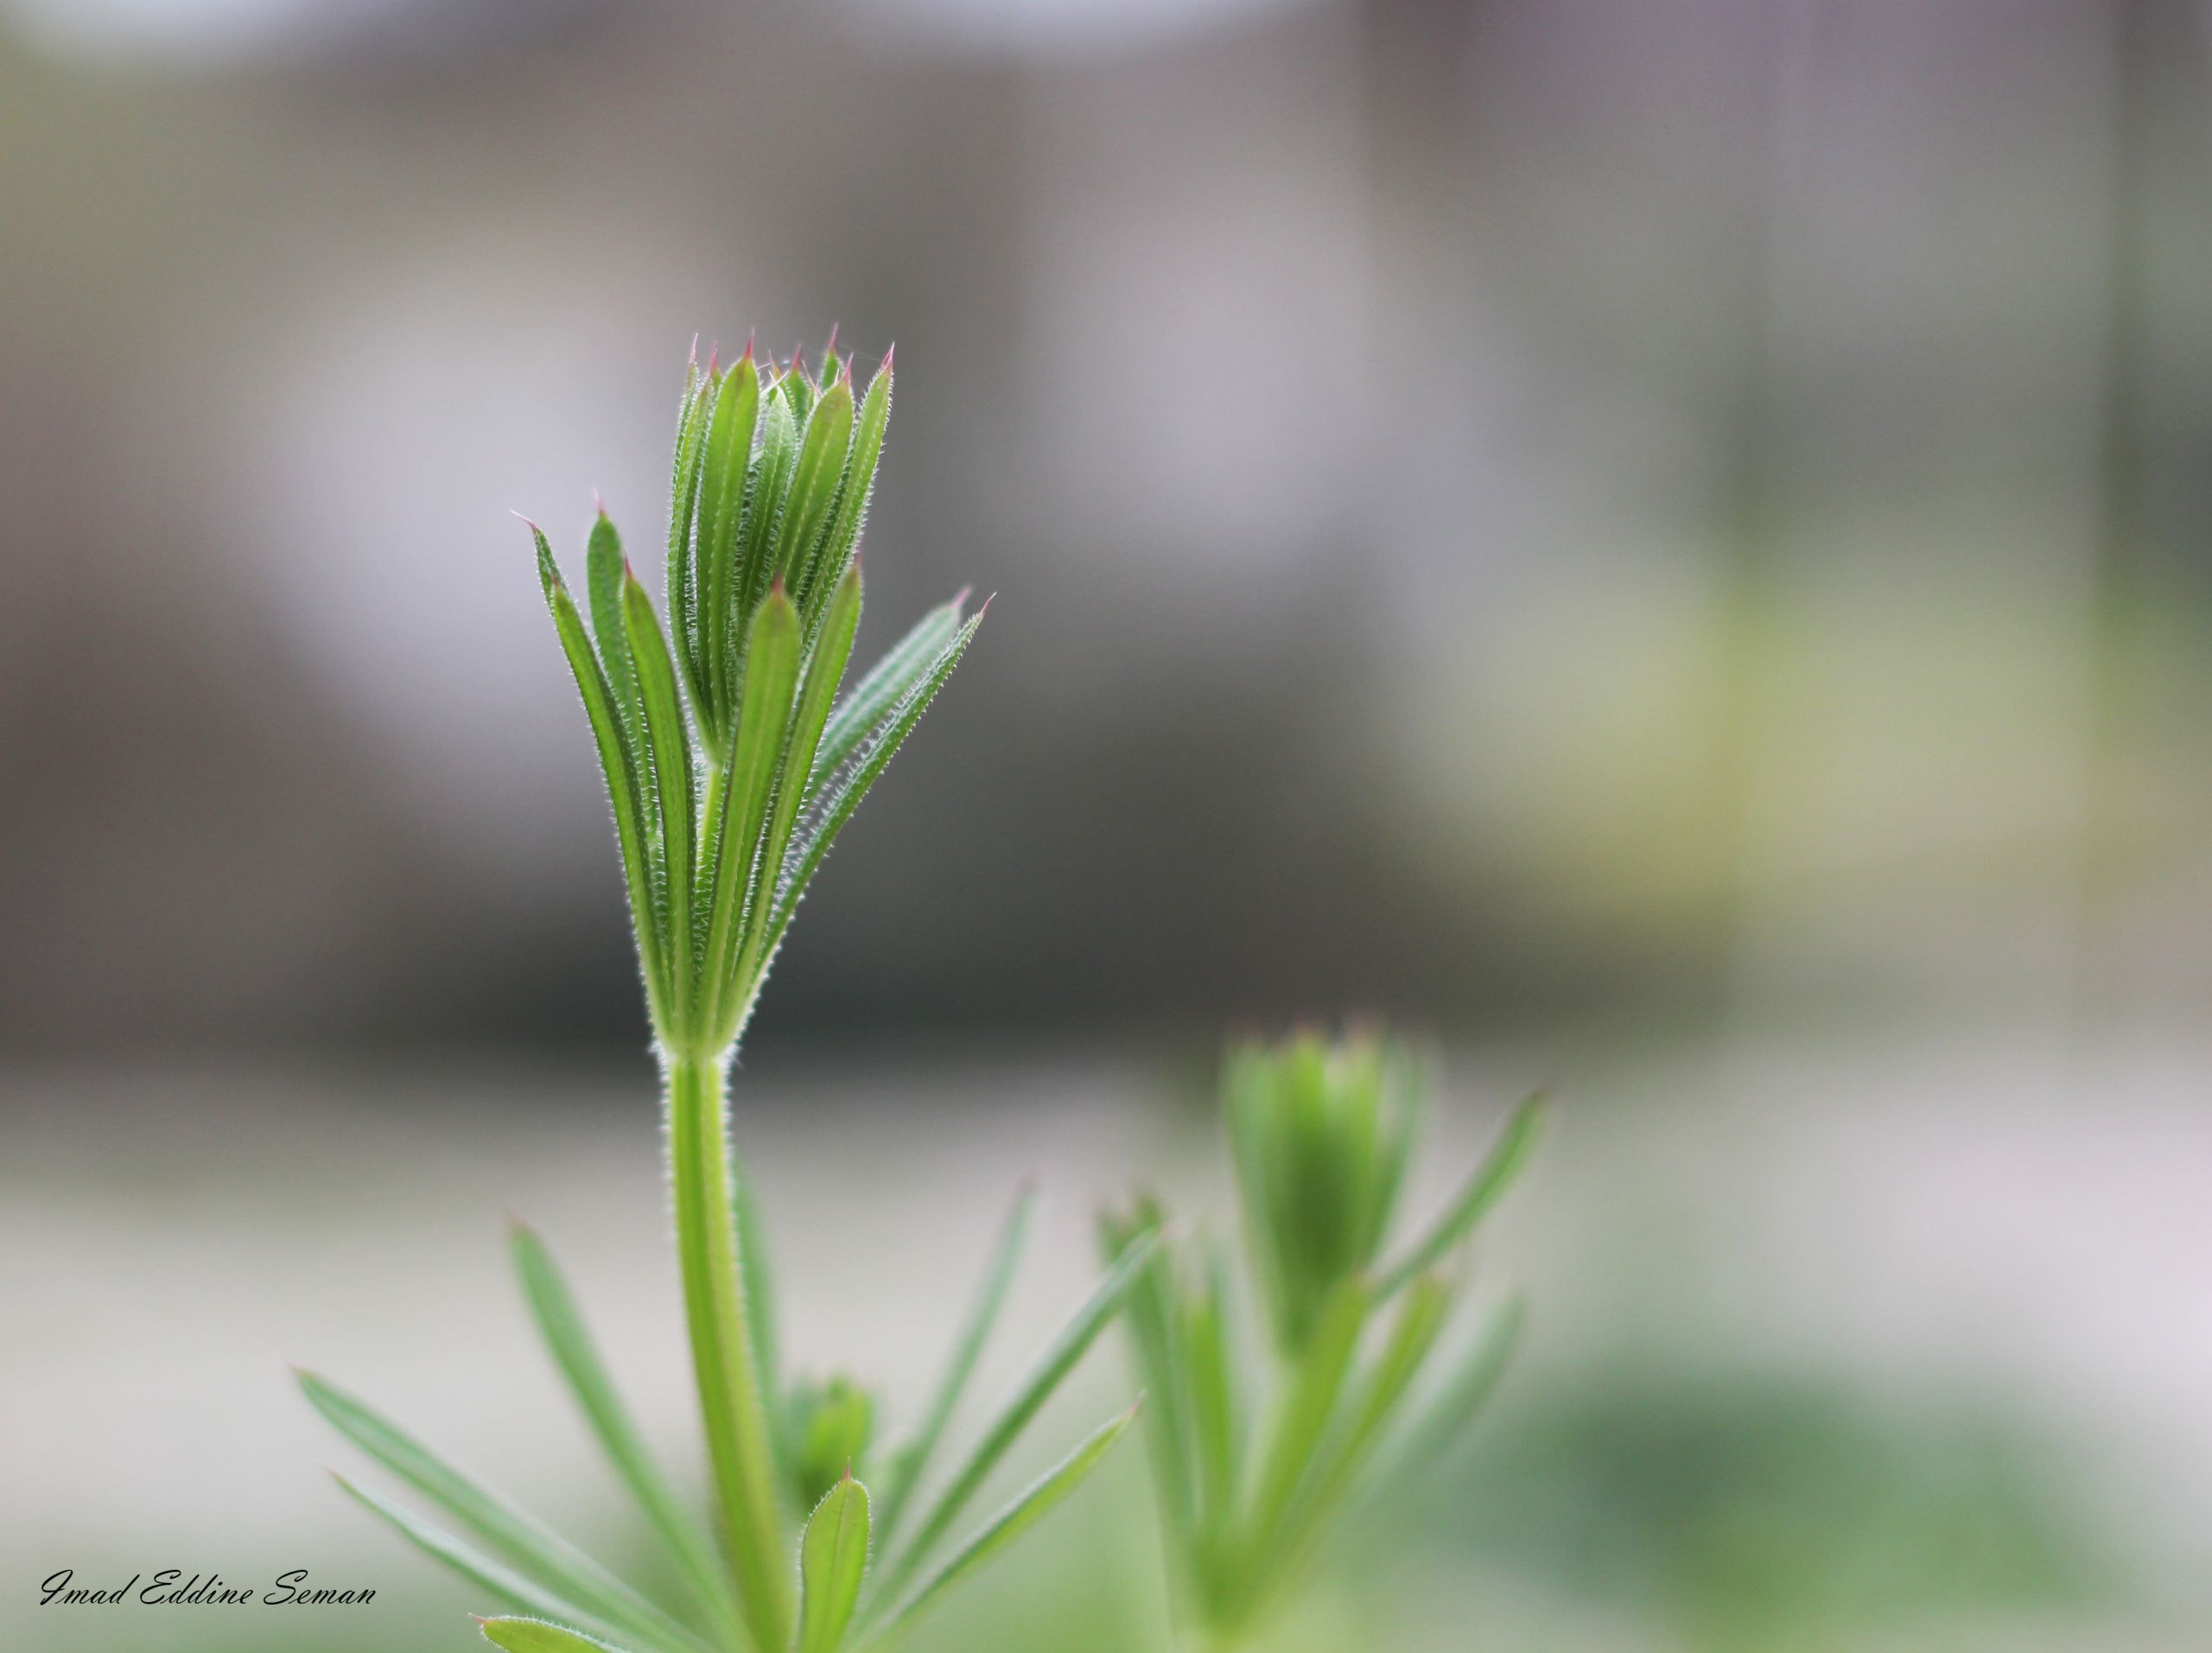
(1257,1457)
(1686,573)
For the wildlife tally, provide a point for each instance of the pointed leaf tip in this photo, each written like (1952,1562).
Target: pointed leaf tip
(830,348)
(888,354)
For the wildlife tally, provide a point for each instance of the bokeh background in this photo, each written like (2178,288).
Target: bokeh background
(1667,543)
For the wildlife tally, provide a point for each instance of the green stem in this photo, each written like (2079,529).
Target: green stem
(721,1347)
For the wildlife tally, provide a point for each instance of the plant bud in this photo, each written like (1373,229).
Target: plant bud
(832,1424)
(1321,1131)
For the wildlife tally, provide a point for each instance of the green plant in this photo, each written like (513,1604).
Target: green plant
(1256,1456)
(732,764)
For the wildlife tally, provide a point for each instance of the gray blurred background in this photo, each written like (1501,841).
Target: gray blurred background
(1668,541)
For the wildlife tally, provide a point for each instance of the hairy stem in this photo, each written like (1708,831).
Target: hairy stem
(721,1346)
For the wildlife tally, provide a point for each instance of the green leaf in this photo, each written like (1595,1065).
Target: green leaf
(1023,1513)
(603,568)
(1057,1361)
(851,516)
(770,677)
(668,741)
(830,1424)
(490,1576)
(796,387)
(833,1558)
(1210,1372)
(886,684)
(554,1307)
(1412,1338)
(824,670)
(1483,1190)
(1303,1420)
(721,502)
(761,1318)
(619,765)
(912,1462)
(1157,1327)
(1471,1381)
(533,1549)
(814,483)
(1419,1319)
(841,795)
(536,1636)
(682,512)
(765,484)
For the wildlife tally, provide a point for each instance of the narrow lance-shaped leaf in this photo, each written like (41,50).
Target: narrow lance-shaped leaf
(721,499)
(1210,1363)
(1156,1323)
(624,781)
(765,484)
(683,512)
(796,387)
(1411,1337)
(1414,1334)
(1244,1100)
(535,1550)
(603,567)
(536,1636)
(1057,1361)
(832,1561)
(760,1314)
(851,516)
(1023,1513)
(1473,1377)
(845,792)
(770,677)
(1307,1409)
(887,683)
(814,482)
(824,670)
(507,1585)
(911,1460)
(554,1307)
(1483,1190)
(668,741)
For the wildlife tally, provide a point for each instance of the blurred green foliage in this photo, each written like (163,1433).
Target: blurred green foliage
(1743,1509)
